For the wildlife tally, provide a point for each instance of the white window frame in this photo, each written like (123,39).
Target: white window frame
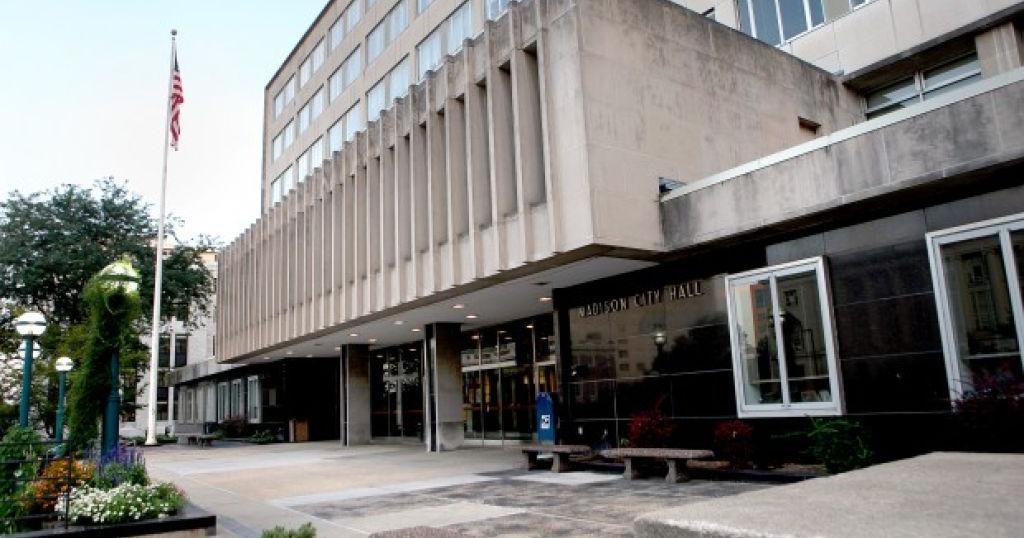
(250,396)
(237,397)
(1001,228)
(786,408)
(920,91)
(778,20)
(223,401)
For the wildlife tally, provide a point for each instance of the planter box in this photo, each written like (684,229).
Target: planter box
(190,522)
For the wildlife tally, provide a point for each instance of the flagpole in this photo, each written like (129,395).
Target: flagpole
(154,341)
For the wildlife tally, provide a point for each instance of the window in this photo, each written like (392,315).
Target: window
(375,100)
(428,54)
(283,185)
(353,13)
(924,85)
(289,91)
(495,8)
(279,103)
(778,21)
(337,32)
(253,399)
(223,412)
(460,27)
(385,33)
(353,121)
(305,116)
(284,97)
(310,159)
(398,80)
(346,74)
(318,55)
(422,5)
(305,71)
(318,105)
(336,135)
(783,351)
(275,191)
(302,165)
(977,271)
(237,405)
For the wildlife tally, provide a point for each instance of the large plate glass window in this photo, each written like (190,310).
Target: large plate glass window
(778,21)
(780,324)
(253,398)
(977,275)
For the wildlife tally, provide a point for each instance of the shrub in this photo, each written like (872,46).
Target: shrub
(21,454)
(234,426)
(989,418)
(115,474)
(840,444)
(305,531)
(262,437)
(57,479)
(650,429)
(127,502)
(734,440)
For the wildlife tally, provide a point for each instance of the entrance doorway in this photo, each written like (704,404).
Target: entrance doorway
(396,385)
(503,369)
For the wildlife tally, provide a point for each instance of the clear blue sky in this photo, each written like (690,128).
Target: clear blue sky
(84,89)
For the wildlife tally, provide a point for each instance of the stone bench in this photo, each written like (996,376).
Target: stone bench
(560,453)
(194,435)
(676,459)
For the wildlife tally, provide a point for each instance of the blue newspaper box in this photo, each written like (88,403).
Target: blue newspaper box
(545,418)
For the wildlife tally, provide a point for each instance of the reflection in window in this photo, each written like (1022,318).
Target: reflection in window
(981,312)
(924,85)
(783,352)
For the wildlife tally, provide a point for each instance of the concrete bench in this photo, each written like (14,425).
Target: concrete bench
(194,435)
(676,459)
(560,453)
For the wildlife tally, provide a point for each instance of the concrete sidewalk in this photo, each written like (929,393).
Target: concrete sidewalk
(939,495)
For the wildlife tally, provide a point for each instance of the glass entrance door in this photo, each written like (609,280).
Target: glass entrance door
(397,392)
(977,271)
(503,369)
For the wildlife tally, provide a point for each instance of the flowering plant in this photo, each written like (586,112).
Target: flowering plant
(734,439)
(127,502)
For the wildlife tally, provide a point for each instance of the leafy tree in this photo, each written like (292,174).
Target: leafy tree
(53,242)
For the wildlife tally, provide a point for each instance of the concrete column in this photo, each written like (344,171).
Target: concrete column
(355,394)
(1000,49)
(443,394)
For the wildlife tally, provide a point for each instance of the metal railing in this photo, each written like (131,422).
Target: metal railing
(28,491)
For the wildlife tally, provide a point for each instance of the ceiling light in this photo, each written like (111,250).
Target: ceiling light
(530,326)
(545,299)
(399,322)
(353,335)
(309,355)
(289,352)
(471,316)
(337,348)
(373,340)
(459,306)
(475,337)
(415,330)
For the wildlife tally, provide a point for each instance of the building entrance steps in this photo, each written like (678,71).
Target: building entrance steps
(939,495)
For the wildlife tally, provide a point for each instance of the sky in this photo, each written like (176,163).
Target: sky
(83,96)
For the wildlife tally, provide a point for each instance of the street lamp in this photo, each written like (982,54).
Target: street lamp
(29,325)
(64,365)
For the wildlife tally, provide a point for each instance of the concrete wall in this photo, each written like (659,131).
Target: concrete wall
(669,93)
(868,167)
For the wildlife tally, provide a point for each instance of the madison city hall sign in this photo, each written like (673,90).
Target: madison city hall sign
(674,292)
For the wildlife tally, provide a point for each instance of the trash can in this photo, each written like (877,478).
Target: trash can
(545,418)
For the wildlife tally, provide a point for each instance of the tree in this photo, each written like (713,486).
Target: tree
(53,242)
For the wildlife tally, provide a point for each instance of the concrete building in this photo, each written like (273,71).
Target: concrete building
(751,208)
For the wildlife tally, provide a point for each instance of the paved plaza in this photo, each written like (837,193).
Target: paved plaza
(361,490)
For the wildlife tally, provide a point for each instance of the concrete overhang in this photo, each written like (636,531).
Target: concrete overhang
(490,303)
(961,139)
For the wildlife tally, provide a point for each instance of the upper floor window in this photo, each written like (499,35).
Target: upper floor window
(398,80)
(345,128)
(495,8)
(346,74)
(275,191)
(348,20)
(310,160)
(375,100)
(780,324)
(778,21)
(385,33)
(422,5)
(447,38)
(285,96)
(924,84)
(394,85)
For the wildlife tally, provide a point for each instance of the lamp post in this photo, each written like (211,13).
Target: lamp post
(64,365)
(29,325)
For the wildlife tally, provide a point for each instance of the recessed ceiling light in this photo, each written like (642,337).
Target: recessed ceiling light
(353,335)
(309,355)
(545,299)
(372,340)
(530,326)
(471,316)
(266,358)
(337,348)
(459,306)
(475,337)
(415,330)
(413,349)
(399,322)
(289,352)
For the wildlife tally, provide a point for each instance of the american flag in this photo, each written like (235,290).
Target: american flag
(177,98)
